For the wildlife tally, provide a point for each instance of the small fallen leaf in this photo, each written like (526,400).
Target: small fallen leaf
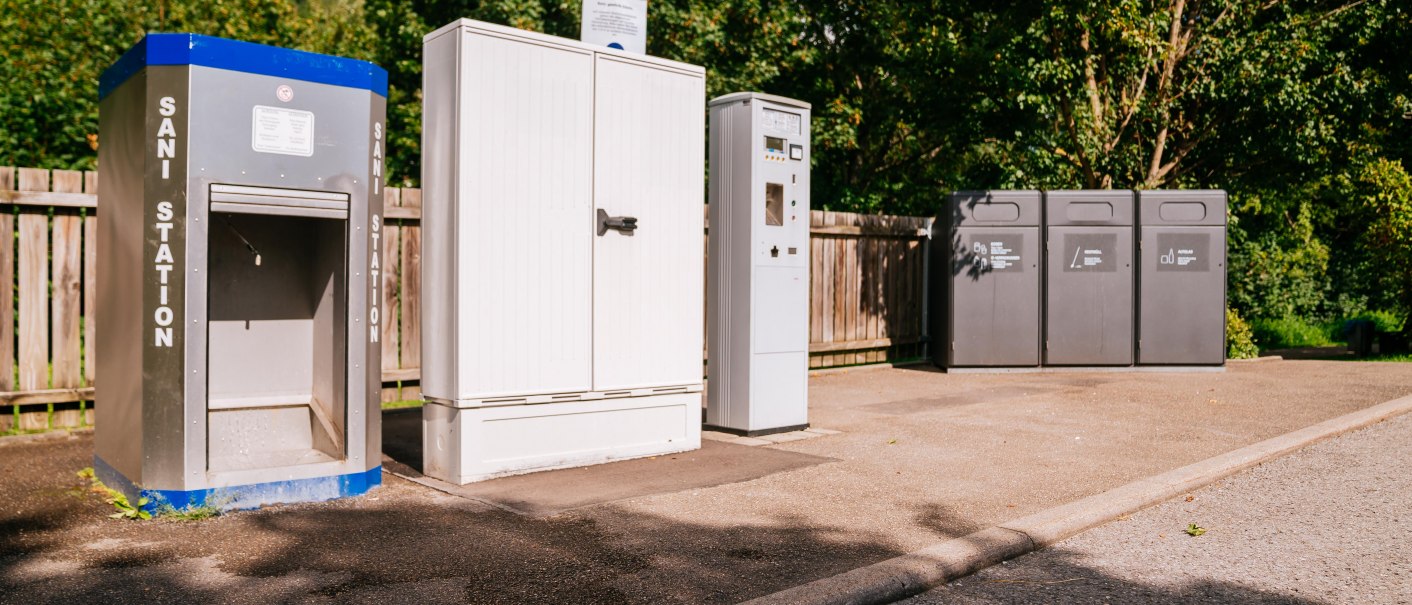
(1124,517)
(1194,530)
(892,442)
(1190,498)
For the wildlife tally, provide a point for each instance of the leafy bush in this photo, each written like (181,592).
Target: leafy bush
(1290,333)
(1384,321)
(1240,343)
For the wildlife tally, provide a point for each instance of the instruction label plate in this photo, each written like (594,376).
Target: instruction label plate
(1090,253)
(282,131)
(993,253)
(1183,252)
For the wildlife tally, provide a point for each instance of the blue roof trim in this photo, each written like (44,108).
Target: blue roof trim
(241,497)
(209,51)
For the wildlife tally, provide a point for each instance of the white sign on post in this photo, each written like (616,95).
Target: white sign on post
(620,24)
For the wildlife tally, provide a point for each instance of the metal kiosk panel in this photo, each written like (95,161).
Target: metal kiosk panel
(758,271)
(1088,300)
(1181,278)
(992,298)
(237,298)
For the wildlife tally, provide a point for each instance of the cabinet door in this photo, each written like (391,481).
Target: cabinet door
(524,279)
(648,282)
(1089,296)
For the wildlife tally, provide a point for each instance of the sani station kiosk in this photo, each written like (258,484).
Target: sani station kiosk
(758,357)
(562,274)
(239,219)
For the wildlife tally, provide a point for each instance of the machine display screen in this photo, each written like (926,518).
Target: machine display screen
(774,144)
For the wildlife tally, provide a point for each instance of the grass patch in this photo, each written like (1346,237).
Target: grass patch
(398,405)
(114,497)
(1294,333)
(194,513)
(125,509)
(1396,358)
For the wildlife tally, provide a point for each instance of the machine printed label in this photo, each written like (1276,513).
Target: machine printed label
(1183,252)
(282,131)
(997,253)
(1090,252)
(375,242)
(782,121)
(163,240)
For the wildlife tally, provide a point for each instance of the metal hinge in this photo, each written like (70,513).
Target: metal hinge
(1046,345)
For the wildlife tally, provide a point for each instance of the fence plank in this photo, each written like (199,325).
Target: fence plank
(391,250)
(90,282)
(391,281)
(45,396)
(34,286)
(411,328)
(65,296)
(865,302)
(7,288)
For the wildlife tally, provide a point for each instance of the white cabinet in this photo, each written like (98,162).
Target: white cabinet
(550,341)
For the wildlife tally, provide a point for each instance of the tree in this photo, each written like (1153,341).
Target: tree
(56,51)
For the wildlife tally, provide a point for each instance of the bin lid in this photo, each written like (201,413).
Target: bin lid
(994,208)
(248,57)
(1182,207)
(1099,207)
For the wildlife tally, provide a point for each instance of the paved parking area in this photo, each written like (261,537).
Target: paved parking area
(921,456)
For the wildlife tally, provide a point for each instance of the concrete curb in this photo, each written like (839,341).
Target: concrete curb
(915,572)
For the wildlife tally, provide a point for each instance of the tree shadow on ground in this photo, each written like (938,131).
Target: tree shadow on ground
(404,543)
(1063,577)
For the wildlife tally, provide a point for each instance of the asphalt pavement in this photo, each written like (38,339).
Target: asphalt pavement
(921,457)
(1329,524)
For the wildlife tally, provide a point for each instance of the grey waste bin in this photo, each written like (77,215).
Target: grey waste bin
(1181,278)
(1088,299)
(238,252)
(989,249)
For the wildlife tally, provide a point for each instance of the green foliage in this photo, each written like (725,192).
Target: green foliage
(1383,321)
(1194,530)
(1292,333)
(55,51)
(194,513)
(126,510)
(1387,190)
(1240,341)
(1279,272)
(1298,108)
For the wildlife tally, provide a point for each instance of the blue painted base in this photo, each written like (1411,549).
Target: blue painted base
(240,497)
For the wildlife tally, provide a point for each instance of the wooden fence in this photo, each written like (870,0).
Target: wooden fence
(868,294)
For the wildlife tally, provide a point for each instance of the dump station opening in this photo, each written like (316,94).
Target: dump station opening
(277,340)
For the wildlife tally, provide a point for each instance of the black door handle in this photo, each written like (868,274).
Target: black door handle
(623,224)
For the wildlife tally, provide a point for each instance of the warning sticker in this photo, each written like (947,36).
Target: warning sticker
(1090,252)
(283,131)
(1183,251)
(989,252)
